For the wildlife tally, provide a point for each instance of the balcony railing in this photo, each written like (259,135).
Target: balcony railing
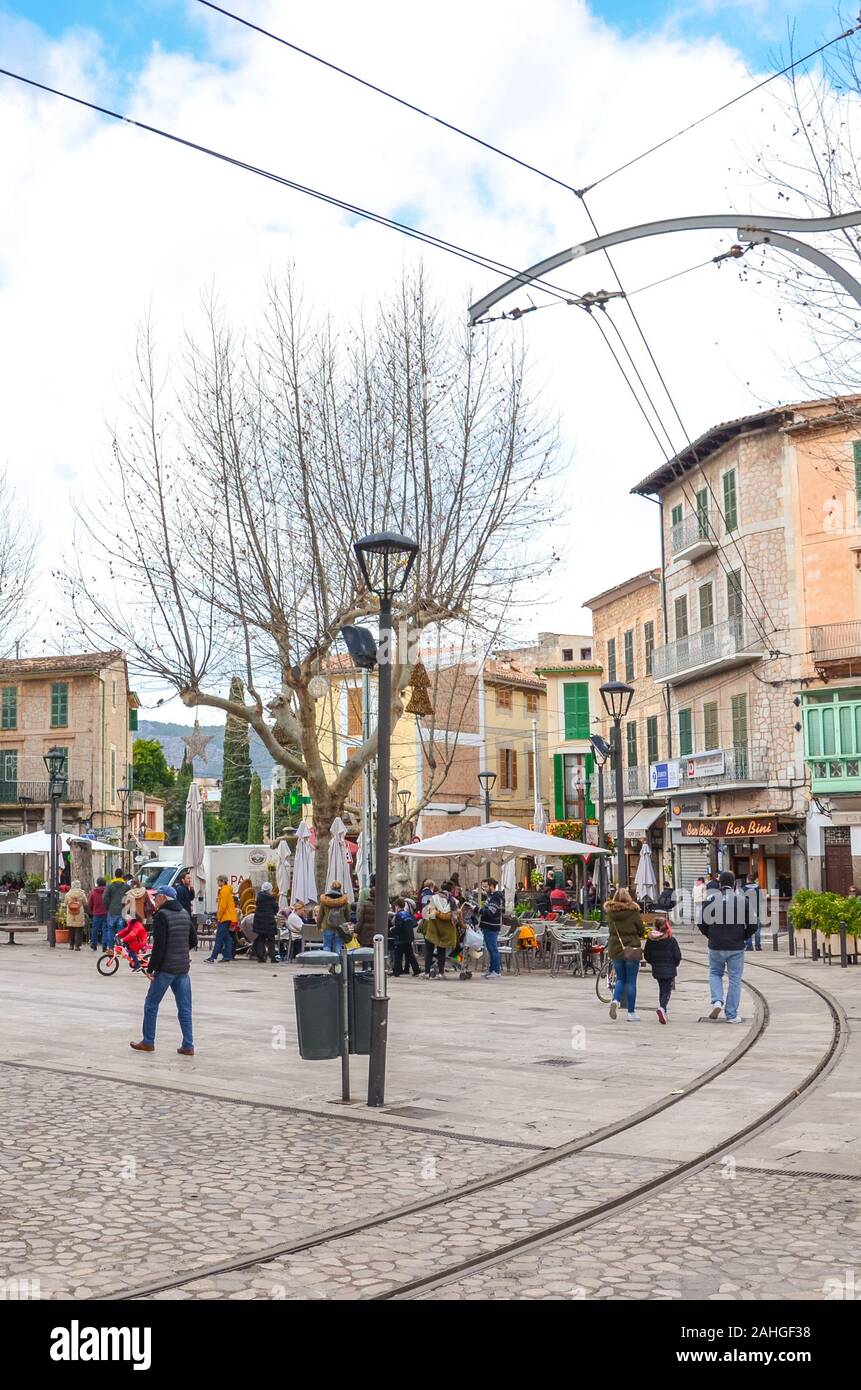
(839,772)
(693,535)
(38,793)
(835,642)
(635,781)
(722,645)
(722,767)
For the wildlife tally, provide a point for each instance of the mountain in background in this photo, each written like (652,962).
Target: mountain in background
(170,737)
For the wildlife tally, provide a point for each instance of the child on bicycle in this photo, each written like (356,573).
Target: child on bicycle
(662,952)
(134,938)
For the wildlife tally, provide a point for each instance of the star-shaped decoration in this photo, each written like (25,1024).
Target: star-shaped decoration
(196,744)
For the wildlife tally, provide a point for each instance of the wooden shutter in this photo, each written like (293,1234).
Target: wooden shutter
(686,744)
(576,709)
(558,786)
(354,712)
(501,769)
(513,757)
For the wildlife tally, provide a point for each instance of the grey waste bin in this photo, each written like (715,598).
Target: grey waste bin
(43,896)
(317,1016)
(361,993)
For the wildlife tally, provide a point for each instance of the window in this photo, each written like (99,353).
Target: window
(530,770)
(585,653)
(10,707)
(856,454)
(676,515)
(739,721)
(9,774)
(507,770)
(503,698)
(686,735)
(150,820)
(567,653)
(113,694)
(629,654)
(611,658)
(531,704)
(730,501)
(703,511)
(631,740)
(649,644)
(652,738)
(680,608)
(734,601)
(113,776)
(59,705)
(711,736)
(576,709)
(707,606)
(354,713)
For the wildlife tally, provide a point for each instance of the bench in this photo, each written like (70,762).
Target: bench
(11,930)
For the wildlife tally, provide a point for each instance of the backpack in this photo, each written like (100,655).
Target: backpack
(336,920)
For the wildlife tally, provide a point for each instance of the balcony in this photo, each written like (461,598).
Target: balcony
(722,767)
(716,648)
(692,537)
(837,648)
(37,793)
(836,773)
(635,781)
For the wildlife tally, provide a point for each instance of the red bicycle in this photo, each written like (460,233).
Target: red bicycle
(109,962)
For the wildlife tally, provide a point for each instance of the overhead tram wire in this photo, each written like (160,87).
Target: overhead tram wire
(428,238)
(496,149)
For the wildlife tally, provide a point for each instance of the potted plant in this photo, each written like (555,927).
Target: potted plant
(61,935)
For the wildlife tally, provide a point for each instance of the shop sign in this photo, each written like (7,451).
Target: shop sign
(705,765)
(663,776)
(734,828)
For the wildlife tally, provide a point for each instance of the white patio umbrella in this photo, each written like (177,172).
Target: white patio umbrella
(539,821)
(338,865)
(39,842)
(195,842)
(283,874)
(509,883)
(644,880)
(304,887)
(496,840)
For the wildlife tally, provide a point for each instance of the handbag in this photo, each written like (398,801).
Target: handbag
(629,952)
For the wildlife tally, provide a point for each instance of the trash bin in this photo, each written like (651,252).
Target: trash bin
(361,993)
(43,896)
(317,1016)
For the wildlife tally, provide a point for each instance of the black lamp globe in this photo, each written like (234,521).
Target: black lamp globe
(386,560)
(617,699)
(55,764)
(600,749)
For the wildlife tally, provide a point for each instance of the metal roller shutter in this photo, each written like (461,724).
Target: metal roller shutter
(693,864)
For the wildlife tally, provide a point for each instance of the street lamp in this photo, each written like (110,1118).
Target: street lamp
(487,781)
(55,765)
(617,699)
(386,561)
(24,802)
(123,793)
(601,751)
(404,799)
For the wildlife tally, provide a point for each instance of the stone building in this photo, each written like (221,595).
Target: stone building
(758,563)
(83,705)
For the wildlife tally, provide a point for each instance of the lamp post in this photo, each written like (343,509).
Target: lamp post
(601,751)
(55,764)
(123,793)
(487,781)
(404,799)
(386,561)
(24,802)
(617,699)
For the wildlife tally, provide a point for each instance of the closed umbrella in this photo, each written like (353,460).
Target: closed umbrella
(645,882)
(283,874)
(338,866)
(540,826)
(509,883)
(195,842)
(363,868)
(304,887)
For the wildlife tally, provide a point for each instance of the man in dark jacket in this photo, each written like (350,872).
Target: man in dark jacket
(112,906)
(753,902)
(489,921)
(265,926)
(173,936)
(726,926)
(185,893)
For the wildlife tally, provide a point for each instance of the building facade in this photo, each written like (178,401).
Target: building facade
(83,705)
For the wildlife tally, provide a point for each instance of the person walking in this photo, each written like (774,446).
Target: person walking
(667,899)
(76,914)
(332,917)
(753,912)
(725,925)
(227,916)
(625,950)
(115,892)
(439,929)
(663,954)
(402,936)
(265,926)
(489,923)
(366,918)
(96,909)
(136,902)
(698,894)
(294,923)
(173,937)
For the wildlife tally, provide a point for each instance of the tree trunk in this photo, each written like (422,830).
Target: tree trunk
(82,864)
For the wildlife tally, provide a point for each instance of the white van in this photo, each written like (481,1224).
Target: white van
(236,862)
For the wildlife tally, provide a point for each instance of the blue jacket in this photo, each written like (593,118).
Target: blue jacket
(490,912)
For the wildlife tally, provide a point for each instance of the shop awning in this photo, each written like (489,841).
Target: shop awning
(643,819)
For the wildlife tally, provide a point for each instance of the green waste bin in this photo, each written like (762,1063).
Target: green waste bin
(43,896)
(317,1016)
(361,993)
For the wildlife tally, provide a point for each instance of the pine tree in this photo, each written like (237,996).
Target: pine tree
(236,773)
(175,799)
(255,814)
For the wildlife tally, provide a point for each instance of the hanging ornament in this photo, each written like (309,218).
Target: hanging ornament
(317,687)
(419,702)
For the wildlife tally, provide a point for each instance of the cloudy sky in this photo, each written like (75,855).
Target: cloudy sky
(100,222)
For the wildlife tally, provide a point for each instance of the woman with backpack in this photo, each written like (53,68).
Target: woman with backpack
(333,918)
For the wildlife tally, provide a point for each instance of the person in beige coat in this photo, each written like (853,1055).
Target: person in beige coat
(76,914)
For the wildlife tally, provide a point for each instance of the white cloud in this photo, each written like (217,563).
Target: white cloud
(99,222)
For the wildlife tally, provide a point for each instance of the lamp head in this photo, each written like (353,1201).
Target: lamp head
(600,748)
(487,780)
(617,698)
(360,643)
(385,560)
(55,763)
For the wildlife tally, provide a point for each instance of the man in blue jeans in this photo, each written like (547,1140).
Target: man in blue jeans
(173,936)
(112,906)
(490,921)
(726,926)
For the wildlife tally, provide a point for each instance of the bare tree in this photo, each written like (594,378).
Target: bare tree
(17,569)
(235,500)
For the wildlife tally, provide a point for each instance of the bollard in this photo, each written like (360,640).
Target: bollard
(791,933)
(844,955)
(379,1027)
(814,944)
(343,985)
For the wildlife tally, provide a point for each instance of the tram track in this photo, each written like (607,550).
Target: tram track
(540,1161)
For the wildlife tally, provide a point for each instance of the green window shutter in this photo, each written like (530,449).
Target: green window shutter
(558,786)
(611,659)
(686,735)
(652,739)
(589,775)
(631,737)
(649,644)
(676,515)
(730,501)
(680,609)
(133,721)
(710,725)
(59,705)
(629,655)
(576,706)
(10,707)
(703,511)
(739,722)
(707,607)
